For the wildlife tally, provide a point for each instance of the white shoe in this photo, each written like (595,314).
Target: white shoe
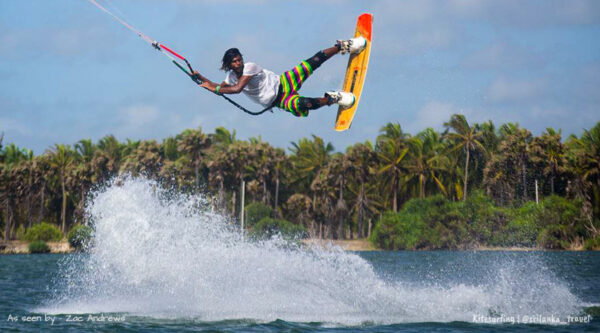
(342,98)
(352,46)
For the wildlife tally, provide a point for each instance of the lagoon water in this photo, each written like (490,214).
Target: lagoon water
(165,262)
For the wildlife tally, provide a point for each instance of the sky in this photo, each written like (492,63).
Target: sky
(68,71)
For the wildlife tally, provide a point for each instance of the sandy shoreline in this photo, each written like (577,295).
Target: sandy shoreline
(346,245)
(20,247)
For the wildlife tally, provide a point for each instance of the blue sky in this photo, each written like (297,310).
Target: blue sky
(68,71)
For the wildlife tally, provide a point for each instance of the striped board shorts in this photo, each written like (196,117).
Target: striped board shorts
(290,82)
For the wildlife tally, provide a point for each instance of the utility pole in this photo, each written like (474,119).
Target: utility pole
(243,190)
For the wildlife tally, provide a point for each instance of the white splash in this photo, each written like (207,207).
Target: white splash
(173,258)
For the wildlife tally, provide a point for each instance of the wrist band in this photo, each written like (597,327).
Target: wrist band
(217,89)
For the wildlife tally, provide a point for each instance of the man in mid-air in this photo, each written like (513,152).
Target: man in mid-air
(270,90)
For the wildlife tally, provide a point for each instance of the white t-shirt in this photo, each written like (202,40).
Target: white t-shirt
(262,87)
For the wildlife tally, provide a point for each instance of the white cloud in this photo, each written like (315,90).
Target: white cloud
(139,114)
(532,14)
(588,82)
(502,55)
(433,114)
(514,90)
(68,43)
(13,126)
(137,121)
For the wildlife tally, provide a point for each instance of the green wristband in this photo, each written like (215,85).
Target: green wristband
(217,89)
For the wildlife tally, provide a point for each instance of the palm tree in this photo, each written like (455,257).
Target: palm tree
(506,170)
(146,159)
(9,184)
(7,197)
(83,175)
(261,163)
(85,150)
(169,149)
(392,156)
(517,144)
(62,159)
(193,143)
(308,158)
(218,170)
(586,164)
(107,159)
(591,142)
(323,191)
(24,178)
(41,172)
(227,170)
(425,160)
(391,149)
(281,163)
(338,169)
(222,138)
(489,138)
(465,137)
(548,152)
(391,131)
(299,208)
(363,163)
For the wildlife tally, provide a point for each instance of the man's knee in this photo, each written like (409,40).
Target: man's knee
(309,103)
(316,60)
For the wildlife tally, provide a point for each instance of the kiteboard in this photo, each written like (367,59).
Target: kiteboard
(356,72)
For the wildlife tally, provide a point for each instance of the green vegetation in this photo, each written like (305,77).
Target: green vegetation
(256,211)
(38,247)
(592,244)
(79,236)
(268,227)
(43,232)
(469,185)
(592,311)
(438,223)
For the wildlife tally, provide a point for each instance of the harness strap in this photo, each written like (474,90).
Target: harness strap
(199,82)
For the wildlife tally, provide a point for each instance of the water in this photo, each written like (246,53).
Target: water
(164,262)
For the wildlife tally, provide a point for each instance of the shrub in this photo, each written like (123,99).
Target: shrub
(43,232)
(592,311)
(592,243)
(257,211)
(438,223)
(38,247)
(79,236)
(484,219)
(553,237)
(268,227)
(555,210)
(396,231)
(430,223)
(21,232)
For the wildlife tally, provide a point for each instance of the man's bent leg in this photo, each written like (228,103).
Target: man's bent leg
(293,79)
(322,56)
(299,106)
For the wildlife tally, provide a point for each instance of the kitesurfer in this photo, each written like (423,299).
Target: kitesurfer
(271,90)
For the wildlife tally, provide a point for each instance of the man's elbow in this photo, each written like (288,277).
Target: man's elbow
(236,90)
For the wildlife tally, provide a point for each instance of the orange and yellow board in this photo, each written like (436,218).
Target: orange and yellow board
(356,72)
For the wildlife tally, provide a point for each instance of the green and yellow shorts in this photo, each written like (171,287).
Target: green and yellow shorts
(291,81)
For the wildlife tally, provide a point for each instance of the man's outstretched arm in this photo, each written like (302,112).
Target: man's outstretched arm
(224,88)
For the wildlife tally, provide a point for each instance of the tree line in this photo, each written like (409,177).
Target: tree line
(336,195)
